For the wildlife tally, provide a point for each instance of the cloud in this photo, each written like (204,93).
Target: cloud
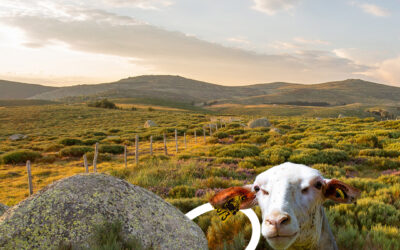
(104,33)
(372,9)
(270,7)
(302,40)
(387,71)
(143,4)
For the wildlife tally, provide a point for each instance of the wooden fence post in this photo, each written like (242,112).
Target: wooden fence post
(216,127)
(165,145)
(210,130)
(176,140)
(96,153)
(195,137)
(85,163)
(204,134)
(151,145)
(137,150)
(28,169)
(126,156)
(184,139)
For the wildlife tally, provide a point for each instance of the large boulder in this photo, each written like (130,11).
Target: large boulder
(3,208)
(67,211)
(259,123)
(149,124)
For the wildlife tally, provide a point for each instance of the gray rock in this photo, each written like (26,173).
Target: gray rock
(149,124)
(17,137)
(259,123)
(67,211)
(3,208)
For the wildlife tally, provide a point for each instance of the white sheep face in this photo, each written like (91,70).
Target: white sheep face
(290,196)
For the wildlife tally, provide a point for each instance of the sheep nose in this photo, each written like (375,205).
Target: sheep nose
(278,219)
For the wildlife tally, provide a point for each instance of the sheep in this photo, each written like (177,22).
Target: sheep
(290,197)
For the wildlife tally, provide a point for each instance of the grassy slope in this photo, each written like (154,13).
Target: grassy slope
(16,90)
(201,167)
(358,110)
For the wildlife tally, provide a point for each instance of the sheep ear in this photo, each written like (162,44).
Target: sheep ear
(340,192)
(248,198)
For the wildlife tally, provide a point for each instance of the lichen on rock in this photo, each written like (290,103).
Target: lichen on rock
(68,210)
(3,208)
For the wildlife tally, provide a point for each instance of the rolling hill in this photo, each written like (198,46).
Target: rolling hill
(180,89)
(16,90)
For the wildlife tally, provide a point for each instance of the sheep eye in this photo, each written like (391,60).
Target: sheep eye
(256,188)
(304,190)
(318,185)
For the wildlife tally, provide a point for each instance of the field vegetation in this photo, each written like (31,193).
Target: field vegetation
(364,152)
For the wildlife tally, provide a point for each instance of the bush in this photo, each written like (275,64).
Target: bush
(103,104)
(100,157)
(382,163)
(187,204)
(20,156)
(70,142)
(276,155)
(313,156)
(236,150)
(75,151)
(54,148)
(329,171)
(182,191)
(90,142)
(221,135)
(258,138)
(370,141)
(112,149)
(379,153)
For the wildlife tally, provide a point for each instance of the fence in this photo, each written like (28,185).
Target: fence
(149,147)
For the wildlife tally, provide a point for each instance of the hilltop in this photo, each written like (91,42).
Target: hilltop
(184,90)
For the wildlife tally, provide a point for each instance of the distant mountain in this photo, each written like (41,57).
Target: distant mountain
(17,90)
(334,93)
(180,89)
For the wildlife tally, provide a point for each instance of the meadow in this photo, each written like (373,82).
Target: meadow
(363,152)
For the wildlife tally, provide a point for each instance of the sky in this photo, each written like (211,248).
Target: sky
(229,42)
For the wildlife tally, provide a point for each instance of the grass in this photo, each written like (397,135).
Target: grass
(362,148)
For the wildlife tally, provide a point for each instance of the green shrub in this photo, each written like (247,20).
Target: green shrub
(313,156)
(237,131)
(112,149)
(221,135)
(235,150)
(103,104)
(182,191)
(20,156)
(257,138)
(75,151)
(90,142)
(100,157)
(187,204)
(379,153)
(368,140)
(382,163)
(70,142)
(329,171)
(276,154)
(54,148)
(99,134)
